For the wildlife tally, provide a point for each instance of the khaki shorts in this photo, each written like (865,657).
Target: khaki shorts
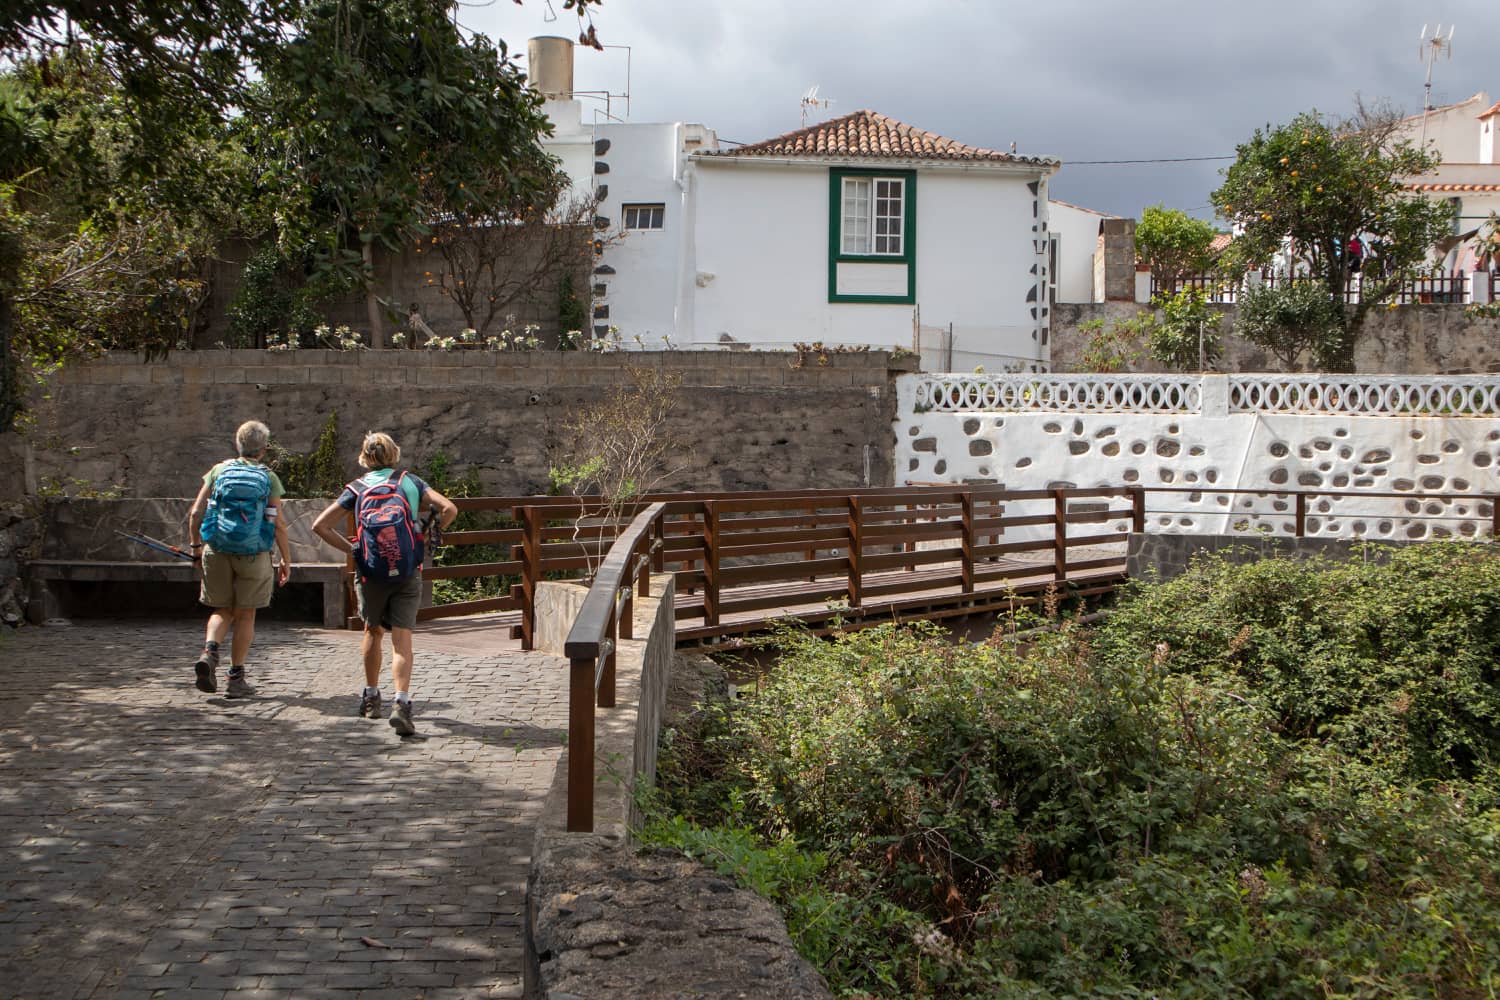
(231,581)
(390,605)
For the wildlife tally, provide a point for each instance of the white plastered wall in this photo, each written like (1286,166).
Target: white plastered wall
(1077,230)
(761,243)
(1039,450)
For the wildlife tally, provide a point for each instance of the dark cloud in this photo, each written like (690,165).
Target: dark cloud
(1076,79)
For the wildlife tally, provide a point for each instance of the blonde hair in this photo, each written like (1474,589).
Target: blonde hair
(379,451)
(252,438)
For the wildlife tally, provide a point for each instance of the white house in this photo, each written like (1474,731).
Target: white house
(1075,235)
(1464,135)
(862,230)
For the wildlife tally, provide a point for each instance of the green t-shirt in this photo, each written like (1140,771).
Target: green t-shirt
(277,490)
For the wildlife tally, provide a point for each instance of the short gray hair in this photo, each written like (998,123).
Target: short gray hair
(252,438)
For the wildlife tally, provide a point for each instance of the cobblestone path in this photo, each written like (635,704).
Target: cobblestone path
(162,842)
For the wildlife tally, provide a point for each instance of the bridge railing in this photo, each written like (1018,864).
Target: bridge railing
(825,558)
(604,618)
(840,558)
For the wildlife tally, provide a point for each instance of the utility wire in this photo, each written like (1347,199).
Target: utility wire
(1167,159)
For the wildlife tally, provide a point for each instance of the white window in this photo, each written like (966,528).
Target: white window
(874,216)
(644,216)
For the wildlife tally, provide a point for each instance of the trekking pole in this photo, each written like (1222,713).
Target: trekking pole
(158,545)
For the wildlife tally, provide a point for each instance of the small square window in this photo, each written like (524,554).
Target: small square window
(644,216)
(873,216)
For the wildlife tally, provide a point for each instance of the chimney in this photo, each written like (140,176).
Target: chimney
(549,61)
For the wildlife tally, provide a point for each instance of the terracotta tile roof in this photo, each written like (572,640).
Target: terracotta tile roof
(1220,243)
(868,135)
(1494,110)
(1453,187)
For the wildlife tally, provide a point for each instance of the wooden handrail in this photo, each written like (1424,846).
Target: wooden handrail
(591,648)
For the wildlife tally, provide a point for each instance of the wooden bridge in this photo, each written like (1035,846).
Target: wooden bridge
(742,560)
(833,559)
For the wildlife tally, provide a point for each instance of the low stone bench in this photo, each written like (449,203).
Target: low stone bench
(80,546)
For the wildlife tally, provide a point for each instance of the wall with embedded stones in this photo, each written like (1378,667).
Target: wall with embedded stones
(1198,448)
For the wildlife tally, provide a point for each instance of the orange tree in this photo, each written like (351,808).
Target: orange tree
(1320,184)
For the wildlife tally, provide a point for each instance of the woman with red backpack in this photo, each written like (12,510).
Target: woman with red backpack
(387,547)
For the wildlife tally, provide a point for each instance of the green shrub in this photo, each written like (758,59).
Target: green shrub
(1396,662)
(441,476)
(1257,781)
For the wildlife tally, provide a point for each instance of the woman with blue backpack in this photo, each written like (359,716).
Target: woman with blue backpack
(234,524)
(388,548)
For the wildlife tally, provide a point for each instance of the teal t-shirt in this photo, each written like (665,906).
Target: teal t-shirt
(411,486)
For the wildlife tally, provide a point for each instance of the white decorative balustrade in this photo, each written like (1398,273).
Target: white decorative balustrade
(1366,395)
(1054,393)
(1379,457)
(1322,395)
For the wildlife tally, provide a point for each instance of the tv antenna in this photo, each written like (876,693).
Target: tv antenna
(1433,48)
(811,100)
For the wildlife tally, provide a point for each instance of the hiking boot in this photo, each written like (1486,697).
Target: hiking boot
(401,719)
(207,670)
(239,687)
(369,706)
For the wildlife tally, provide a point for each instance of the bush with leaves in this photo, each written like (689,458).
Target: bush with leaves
(1292,321)
(1397,663)
(440,474)
(1186,335)
(1167,807)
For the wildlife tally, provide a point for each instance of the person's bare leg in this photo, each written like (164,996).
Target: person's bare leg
(401,670)
(218,624)
(244,634)
(401,658)
(370,650)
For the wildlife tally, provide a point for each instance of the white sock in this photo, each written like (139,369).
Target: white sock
(402,697)
(371,692)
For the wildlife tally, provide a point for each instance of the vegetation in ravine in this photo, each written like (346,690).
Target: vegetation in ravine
(1274,780)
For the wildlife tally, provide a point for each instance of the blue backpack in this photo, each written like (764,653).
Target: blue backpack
(236,520)
(387,542)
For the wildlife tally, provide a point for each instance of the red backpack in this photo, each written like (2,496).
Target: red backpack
(387,542)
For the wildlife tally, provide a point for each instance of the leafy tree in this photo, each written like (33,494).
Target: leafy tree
(380,117)
(106,203)
(1319,184)
(101,252)
(1173,244)
(486,261)
(1291,321)
(1186,335)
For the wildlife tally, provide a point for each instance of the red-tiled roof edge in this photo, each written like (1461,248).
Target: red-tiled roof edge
(1453,187)
(1494,109)
(873,134)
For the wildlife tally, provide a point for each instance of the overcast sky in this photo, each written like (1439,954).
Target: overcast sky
(1074,79)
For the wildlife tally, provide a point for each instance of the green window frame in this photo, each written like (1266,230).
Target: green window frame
(872,219)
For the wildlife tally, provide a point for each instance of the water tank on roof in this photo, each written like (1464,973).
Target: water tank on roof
(550,66)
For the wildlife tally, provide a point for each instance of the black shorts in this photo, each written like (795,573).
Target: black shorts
(390,605)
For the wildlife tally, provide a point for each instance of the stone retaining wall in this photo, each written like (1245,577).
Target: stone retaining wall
(754,420)
(604,921)
(1409,340)
(1163,557)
